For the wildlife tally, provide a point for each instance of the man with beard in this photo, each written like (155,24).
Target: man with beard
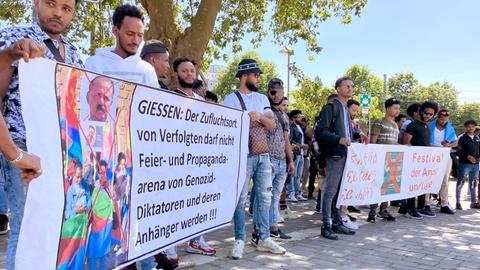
(418,134)
(54,16)
(123,61)
(155,53)
(442,134)
(100,98)
(258,165)
(280,154)
(186,72)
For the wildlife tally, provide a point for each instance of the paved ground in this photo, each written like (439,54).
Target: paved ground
(444,242)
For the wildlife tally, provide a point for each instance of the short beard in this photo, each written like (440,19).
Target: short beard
(125,50)
(273,103)
(184,84)
(251,87)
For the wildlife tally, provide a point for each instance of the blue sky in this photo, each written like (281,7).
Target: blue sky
(434,39)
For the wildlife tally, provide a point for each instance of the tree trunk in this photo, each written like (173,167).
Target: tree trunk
(192,42)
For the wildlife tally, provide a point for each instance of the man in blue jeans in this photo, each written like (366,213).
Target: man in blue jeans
(259,167)
(280,155)
(468,156)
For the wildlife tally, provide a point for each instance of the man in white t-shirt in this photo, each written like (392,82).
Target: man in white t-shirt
(442,134)
(259,167)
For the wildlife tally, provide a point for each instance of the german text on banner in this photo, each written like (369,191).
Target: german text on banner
(377,173)
(128,170)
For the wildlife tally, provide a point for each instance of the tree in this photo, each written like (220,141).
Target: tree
(227,82)
(310,97)
(367,82)
(444,94)
(469,111)
(405,87)
(193,27)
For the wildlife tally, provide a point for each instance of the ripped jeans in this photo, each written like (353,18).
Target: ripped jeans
(260,170)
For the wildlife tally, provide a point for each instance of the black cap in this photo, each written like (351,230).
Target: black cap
(247,66)
(153,47)
(391,101)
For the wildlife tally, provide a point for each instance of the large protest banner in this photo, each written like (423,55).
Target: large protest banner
(377,173)
(128,170)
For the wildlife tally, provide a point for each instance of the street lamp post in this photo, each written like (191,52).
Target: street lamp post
(288,52)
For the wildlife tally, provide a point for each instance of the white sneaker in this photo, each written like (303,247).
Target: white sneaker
(347,222)
(291,198)
(237,250)
(268,245)
(300,197)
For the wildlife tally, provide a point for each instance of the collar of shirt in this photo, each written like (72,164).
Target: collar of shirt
(42,36)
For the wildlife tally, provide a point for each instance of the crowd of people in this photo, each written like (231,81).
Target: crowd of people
(288,154)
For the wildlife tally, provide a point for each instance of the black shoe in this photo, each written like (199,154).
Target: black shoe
(328,233)
(426,212)
(371,217)
(341,229)
(255,238)
(3,224)
(475,205)
(317,209)
(413,213)
(402,210)
(279,235)
(353,209)
(458,206)
(352,219)
(386,216)
(250,210)
(446,210)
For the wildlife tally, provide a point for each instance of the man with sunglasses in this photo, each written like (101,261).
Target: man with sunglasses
(442,134)
(418,134)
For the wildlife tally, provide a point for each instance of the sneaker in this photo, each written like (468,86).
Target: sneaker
(255,239)
(237,250)
(300,197)
(426,212)
(328,233)
(200,247)
(165,263)
(291,198)
(446,210)
(413,213)
(386,216)
(475,205)
(279,235)
(396,203)
(371,217)
(3,224)
(268,245)
(458,206)
(342,229)
(348,223)
(353,209)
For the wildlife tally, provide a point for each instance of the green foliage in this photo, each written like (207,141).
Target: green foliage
(227,82)
(310,97)
(469,111)
(367,82)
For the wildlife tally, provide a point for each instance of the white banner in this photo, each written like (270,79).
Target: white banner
(128,170)
(377,173)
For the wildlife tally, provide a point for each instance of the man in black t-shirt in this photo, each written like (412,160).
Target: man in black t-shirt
(418,134)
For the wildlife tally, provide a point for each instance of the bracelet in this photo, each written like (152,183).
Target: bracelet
(20,157)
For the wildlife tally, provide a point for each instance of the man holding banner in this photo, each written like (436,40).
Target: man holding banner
(54,17)
(385,131)
(418,134)
(334,133)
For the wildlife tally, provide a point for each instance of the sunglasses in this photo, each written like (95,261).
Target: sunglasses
(444,114)
(428,113)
